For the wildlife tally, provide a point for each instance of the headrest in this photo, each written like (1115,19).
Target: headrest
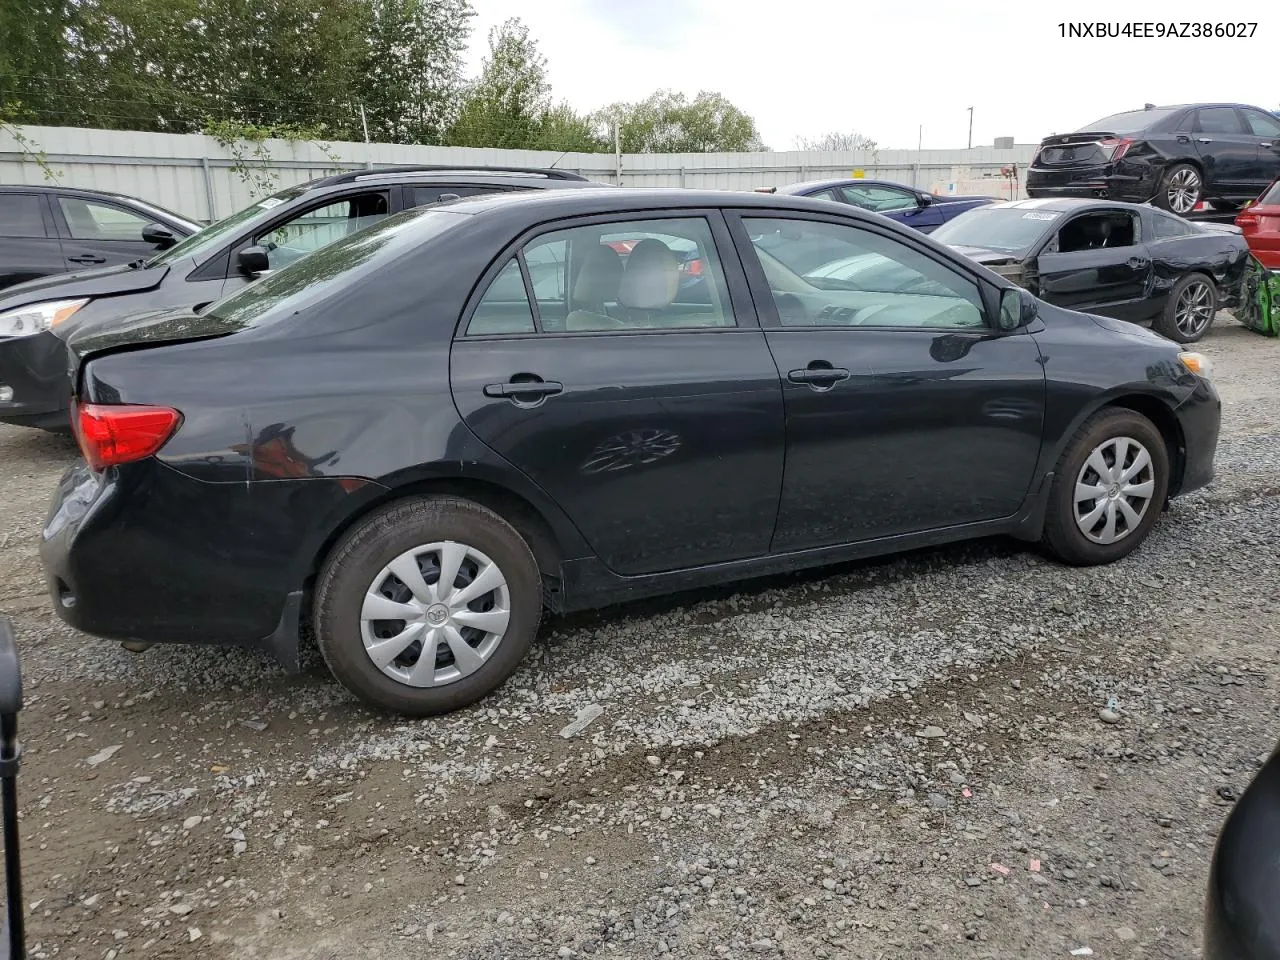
(598,277)
(652,277)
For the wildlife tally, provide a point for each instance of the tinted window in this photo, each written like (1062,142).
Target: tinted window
(1261,125)
(21,215)
(862,278)
(321,226)
(90,220)
(1130,122)
(212,237)
(1097,231)
(1006,229)
(425,195)
(878,198)
(504,308)
(1218,120)
(1167,227)
(634,275)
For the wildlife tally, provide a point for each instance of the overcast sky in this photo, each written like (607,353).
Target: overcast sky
(883,68)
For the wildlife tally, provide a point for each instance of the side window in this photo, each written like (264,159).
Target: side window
(632,275)
(1261,125)
(1218,120)
(1094,231)
(1168,227)
(878,198)
(88,220)
(432,194)
(21,215)
(504,308)
(830,275)
(321,226)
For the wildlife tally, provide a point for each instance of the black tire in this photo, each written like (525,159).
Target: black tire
(1196,288)
(1062,533)
(1168,194)
(377,540)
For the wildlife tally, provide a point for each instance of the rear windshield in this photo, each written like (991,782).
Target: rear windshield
(1272,195)
(1130,122)
(1007,229)
(211,238)
(315,276)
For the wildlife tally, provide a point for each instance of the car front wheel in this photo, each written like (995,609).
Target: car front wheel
(1108,490)
(427,605)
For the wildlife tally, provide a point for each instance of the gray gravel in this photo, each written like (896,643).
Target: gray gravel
(964,751)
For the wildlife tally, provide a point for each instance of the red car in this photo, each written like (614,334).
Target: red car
(1260,224)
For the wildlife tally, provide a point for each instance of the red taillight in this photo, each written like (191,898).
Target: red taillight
(1247,220)
(691,268)
(1116,147)
(121,433)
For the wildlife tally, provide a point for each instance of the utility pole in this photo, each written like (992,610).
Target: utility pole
(365,124)
(971,128)
(617,150)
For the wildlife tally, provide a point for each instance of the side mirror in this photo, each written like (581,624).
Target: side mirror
(253,260)
(924,200)
(161,237)
(1018,307)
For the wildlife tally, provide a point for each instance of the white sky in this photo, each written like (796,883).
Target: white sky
(883,68)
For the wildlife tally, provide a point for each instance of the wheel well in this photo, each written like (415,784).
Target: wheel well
(1170,430)
(513,508)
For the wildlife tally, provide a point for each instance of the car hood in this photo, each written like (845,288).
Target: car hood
(103,282)
(985,255)
(146,328)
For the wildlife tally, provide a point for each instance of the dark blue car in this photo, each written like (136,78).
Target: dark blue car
(909,206)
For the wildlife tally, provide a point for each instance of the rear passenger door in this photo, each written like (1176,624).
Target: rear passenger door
(99,234)
(29,245)
(650,410)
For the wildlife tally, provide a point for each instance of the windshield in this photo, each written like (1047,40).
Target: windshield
(1007,229)
(213,236)
(304,282)
(1130,122)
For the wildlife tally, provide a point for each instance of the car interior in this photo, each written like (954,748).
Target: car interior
(1095,231)
(287,242)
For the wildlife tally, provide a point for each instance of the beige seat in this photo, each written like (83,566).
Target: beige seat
(597,284)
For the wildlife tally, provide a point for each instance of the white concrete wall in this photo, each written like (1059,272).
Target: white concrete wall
(194,174)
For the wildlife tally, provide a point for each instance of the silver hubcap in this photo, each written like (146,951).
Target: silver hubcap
(435,614)
(1194,309)
(1184,191)
(1114,490)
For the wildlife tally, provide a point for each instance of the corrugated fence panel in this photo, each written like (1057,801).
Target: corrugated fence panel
(203,179)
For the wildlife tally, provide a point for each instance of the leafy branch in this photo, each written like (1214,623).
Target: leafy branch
(250,158)
(31,150)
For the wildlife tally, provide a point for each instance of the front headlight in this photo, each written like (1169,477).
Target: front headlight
(37,317)
(1197,363)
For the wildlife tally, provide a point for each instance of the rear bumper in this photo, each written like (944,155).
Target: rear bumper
(1133,183)
(35,369)
(1200,419)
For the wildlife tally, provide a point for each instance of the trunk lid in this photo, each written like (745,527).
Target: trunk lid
(148,329)
(1074,148)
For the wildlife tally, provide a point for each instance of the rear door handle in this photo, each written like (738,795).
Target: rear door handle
(86,258)
(820,376)
(524,389)
(1205,140)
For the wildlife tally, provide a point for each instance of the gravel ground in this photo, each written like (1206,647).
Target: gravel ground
(962,752)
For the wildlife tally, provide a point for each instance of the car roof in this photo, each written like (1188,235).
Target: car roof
(797,188)
(70,191)
(453,173)
(1067,205)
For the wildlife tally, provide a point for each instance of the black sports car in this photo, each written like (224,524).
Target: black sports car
(1170,156)
(416,437)
(1120,260)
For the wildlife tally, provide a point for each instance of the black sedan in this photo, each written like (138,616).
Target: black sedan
(1120,260)
(266,235)
(48,231)
(1171,156)
(417,437)
(914,208)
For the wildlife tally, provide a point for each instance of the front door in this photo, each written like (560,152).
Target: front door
(647,406)
(1097,262)
(1266,130)
(905,410)
(99,234)
(1227,151)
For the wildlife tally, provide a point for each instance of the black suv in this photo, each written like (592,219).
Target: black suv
(218,260)
(1173,157)
(55,230)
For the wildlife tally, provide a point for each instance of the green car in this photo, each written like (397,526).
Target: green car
(1260,306)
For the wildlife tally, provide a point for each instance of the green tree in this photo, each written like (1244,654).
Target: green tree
(505,106)
(562,128)
(669,122)
(31,53)
(836,141)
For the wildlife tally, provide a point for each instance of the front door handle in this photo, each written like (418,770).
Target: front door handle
(1137,262)
(86,258)
(819,374)
(524,391)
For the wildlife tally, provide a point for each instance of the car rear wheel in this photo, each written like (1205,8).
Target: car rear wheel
(1181,189)
(1108,490)
(427,605)
(1189,313)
